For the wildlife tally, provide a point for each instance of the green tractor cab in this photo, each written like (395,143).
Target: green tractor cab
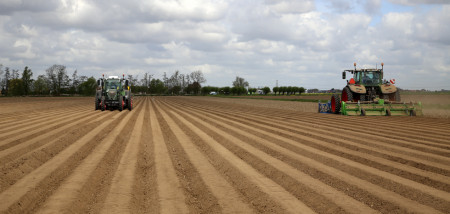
(113,92)
(367,93)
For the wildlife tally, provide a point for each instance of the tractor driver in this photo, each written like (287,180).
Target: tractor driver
(113,85)
(365,78)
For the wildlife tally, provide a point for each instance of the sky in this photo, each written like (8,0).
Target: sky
(294,42)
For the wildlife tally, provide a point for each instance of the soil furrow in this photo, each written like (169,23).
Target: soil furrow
(310,161)
(355,155)
(279,194)
(32,190)
(15,169)
(228,198)
(120,192)
(170,198)
(72,187)
(17,136)
(145,195)
(349,204)
(372,149)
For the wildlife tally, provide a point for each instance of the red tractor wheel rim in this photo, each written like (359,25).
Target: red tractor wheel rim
(344,96)
(333,105)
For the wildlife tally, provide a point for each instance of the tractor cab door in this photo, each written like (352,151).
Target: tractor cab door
(357,77)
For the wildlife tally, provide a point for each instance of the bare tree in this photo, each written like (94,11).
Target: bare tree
(197,76)
(58,78)
(240,82)
(15,74)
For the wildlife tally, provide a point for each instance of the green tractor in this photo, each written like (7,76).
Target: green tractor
(113,92)
(366,93)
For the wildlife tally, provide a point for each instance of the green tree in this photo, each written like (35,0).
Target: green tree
(26,79)
(16,87)
(40,85)
(275,90)
(157,86)
(226,90)
(88,87)
(301,90)
(266,90)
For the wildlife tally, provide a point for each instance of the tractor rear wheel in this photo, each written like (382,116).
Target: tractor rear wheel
(130,103)
(395,96)
(96,103)
(120,103)
(347,95)
(335,104)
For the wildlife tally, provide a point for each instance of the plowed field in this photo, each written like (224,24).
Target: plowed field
(213,155)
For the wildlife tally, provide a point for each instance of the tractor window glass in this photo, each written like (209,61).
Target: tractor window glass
(112,85)
(357,77)
(370,77)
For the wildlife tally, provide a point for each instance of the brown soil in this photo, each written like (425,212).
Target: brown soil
(214,155)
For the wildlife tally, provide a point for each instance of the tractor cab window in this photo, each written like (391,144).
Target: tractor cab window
(370,77)
(112,85)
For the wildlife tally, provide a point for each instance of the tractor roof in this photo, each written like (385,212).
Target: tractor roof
(113,77)
(365,69)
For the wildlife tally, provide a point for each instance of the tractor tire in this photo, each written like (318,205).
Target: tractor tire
(347,95)
(363,112)
(395,96)
(120,103)
(102,104)
(130,103)
(96,103)
(335,104)
(412,113)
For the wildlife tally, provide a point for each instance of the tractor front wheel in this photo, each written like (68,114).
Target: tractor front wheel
(103,104)
(335,104)
(347,95)
(130,103)
(120,103)
(96,103)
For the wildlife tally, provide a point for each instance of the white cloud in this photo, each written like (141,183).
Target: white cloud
(295,42)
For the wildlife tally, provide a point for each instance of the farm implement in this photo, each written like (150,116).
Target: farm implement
(366,93)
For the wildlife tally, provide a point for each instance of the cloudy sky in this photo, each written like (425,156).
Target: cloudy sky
(297,42)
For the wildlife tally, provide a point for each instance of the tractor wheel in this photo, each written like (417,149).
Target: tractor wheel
(347,95)
(130,103)
(102,103)
(363,112)
(412,113)
(120,103)
(335,104)
(395,96)
(96,104)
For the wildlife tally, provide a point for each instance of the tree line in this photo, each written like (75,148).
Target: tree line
(288,90)
(54,82)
